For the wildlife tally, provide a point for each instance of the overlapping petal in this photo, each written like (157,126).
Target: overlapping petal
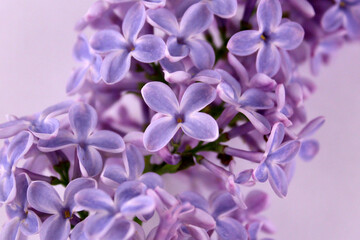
(195,20)
(90,160)
(268,15)
(149,48)
(245,42)
(160,98)
(196,97)
(106,141)
(44,198)
(115,66)
(201,126)
(288,35)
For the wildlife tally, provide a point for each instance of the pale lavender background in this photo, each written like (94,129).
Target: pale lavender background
(36,39)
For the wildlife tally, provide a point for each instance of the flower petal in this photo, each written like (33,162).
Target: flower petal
(244,43)
(106,141)
(44,198)
(177,51)
(223,8)
(164,19)
(268,60)
(149,48)
(194,199)
(311,127)
(76,80)
(196,97)
(195,20)
(19,146)
(92,199)
(7,188)
(159,133)
(288,35)
(74,187)
(11,128)
(285,153)
(278,180)
(56,228)
(276,137)
(133,161)
(230,229)
(201,126)
(309,149)
(107,40)
(201,54)
(81,49)
(223,204)
(134,21)
(257,120)
(83,120)
(120,229)
(10,230)
(160,98)
(115,66)
(151,180)
(332,19)
(199,218)
(256,99)
(97,225)
(256,201)
(113,175)
(268,15)
(45,129)
(91,162)
(138,206)
(261,172)
(63,139)
(127,191)
(31,224)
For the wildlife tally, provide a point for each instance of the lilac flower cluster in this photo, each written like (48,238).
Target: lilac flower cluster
(179,91)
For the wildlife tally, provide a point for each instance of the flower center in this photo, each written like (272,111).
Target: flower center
(179,118)
(342,4)
(67,214)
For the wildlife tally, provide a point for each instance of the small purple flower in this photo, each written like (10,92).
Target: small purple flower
(90,68)
(120,48)
(247,102)
(133,168)
(44,198)
(268,39)
(160,98)
(129,201)
(345,13)
(83,120)
(9,157)
(42,125)
(274,157)
(23,222)
(181,41)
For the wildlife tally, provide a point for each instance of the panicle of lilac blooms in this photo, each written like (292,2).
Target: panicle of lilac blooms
(170,97)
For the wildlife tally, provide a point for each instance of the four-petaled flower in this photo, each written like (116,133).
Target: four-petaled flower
(181,41)
(160,98)
(271,36)
(345,13)
(120,48)
(44,198)
(274,158)
(83,120)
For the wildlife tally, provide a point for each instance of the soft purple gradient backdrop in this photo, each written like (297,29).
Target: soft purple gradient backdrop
(36,39)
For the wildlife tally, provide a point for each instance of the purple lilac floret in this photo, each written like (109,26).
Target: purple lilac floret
(169,98)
